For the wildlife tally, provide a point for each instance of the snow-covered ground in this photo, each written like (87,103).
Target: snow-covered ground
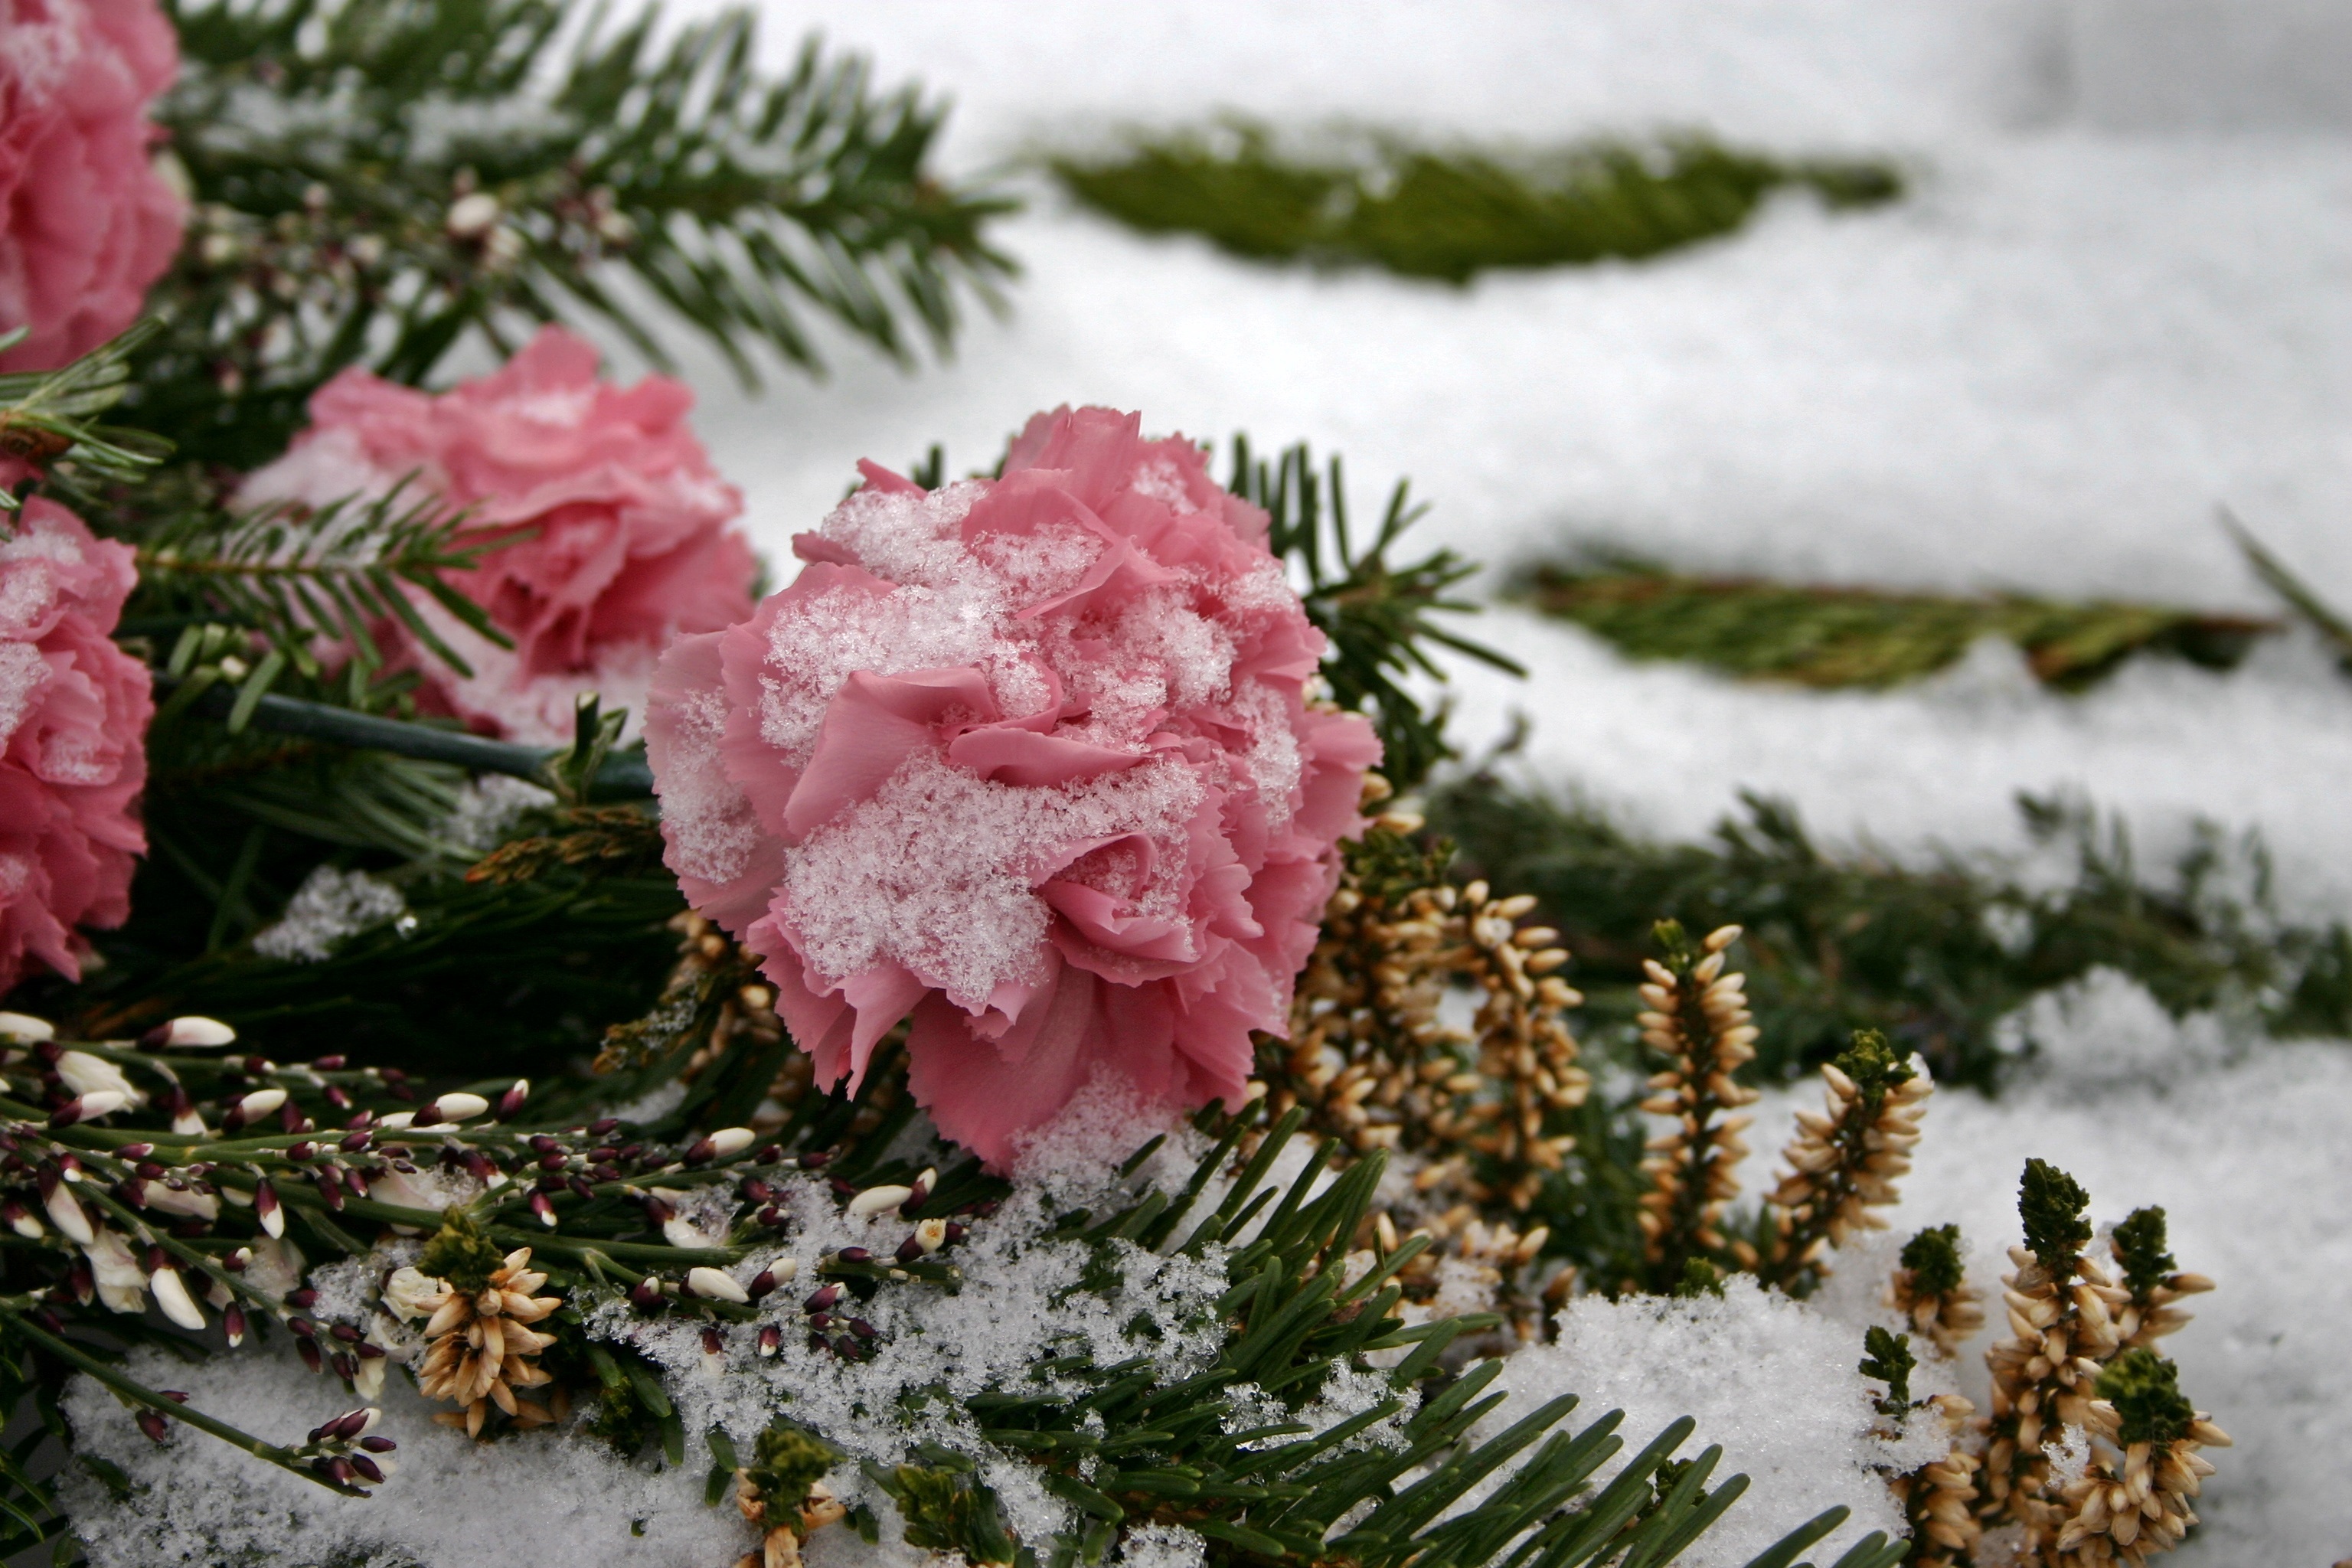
(2116,301)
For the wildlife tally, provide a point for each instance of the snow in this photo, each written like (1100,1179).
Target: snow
(2112,304)
(330,906)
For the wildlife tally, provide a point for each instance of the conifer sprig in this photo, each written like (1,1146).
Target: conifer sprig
(1376,611)
(375,183)
(49,419)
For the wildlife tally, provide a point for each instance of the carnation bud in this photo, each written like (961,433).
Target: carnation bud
(188,1033)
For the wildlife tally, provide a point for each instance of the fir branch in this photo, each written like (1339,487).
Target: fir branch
(49,419)
(1448,213)
(1871,637)
(301,577)
(375,185)
(1376,612)
(1934,954)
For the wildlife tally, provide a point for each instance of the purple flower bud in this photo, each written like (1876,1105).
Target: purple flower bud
(647,1294)
(302,1151)
(756,1190)
(345,1367)
(763,1283)
(658,1211)
(152,1421)
(861,1328)
(823,1297)
(820,1321)
(331,1190)
(582,1186)
(604,1125)
(816,1160)
(909,1250)
(544,1209)
(772,1154)
(233,1320)
(303,1297)
(354,1142)
(853,1255)
(713,1342)
(344,1332)
(772,1340)
(510,1103)
(369,1352)
(772,1215)
(337,1097)
(329,1064)
(134,1151)
(368,1468)
(378,1445)
(310,1356)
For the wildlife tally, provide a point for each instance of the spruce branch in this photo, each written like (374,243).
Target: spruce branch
(1376,611)
(49,420)
(374,185)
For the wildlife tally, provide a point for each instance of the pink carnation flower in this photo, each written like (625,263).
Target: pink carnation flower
(73,716)
(619,526)
(1029,761)
(86,223)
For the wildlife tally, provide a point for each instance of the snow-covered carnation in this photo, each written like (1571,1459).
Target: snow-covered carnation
(611,529)
(1028,760)
(86,221)
(73,718)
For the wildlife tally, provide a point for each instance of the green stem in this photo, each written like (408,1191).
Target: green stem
(139,1394)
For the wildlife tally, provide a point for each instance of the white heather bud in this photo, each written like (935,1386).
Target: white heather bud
(189,1124)
(874,1200)
(89,1107)
(470,216)
(408,1291)
(85,1074)
(715,1286)
(454,1109)
(784,1268)
(191,1034)
(367,1382)
(172,1295)
(66,1213)
(397,1120)
(261,1102)
(730,1141)
(24,1026)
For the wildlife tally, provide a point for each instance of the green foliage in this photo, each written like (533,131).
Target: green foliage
(2145,1389)
(49,419)
(1135,1449)
(1699,1277)
(1888,1357)
(1935,955)
(948,1507)
(1836,637)
(787,1460)
(1448,213)
(2280,579)
(2051,1203)
(375,183)
(462,1253)
(1933,1256)
(1375,611)
(2140,1248)
(1873,1067)
(333,575)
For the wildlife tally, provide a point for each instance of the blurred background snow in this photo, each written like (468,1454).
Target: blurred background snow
(2118,297)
